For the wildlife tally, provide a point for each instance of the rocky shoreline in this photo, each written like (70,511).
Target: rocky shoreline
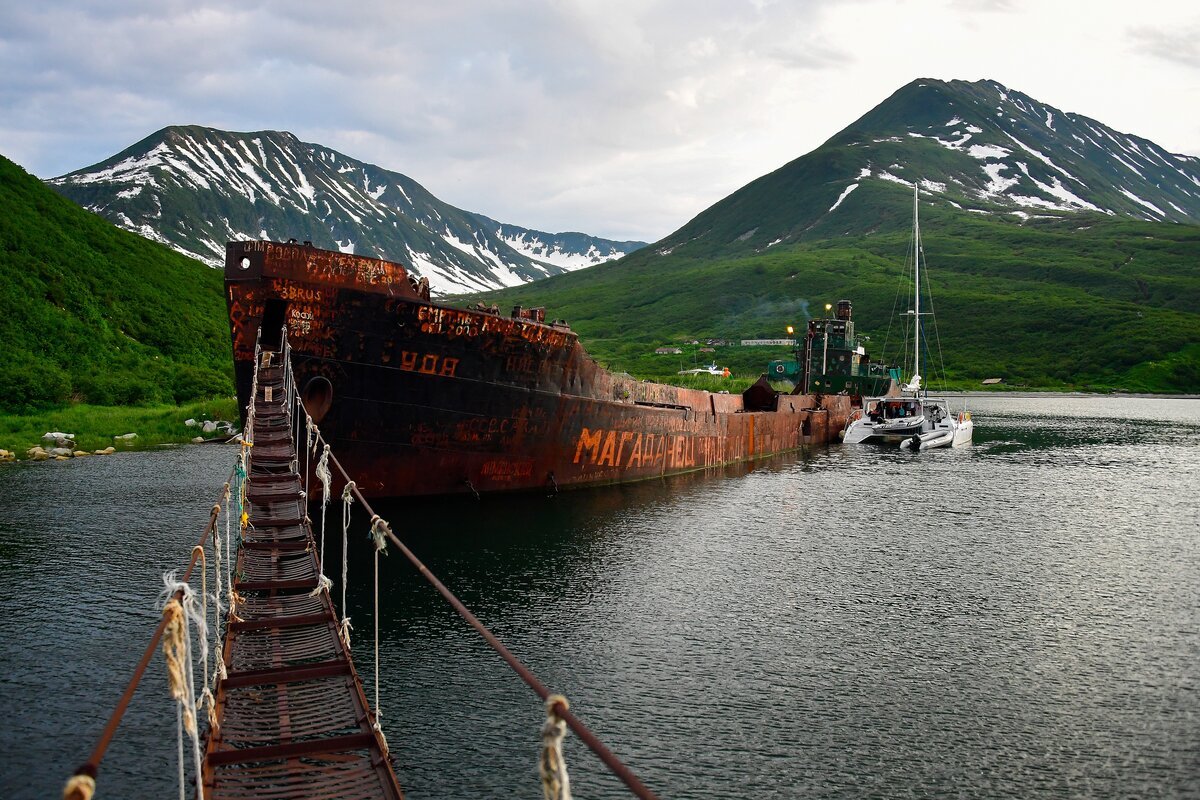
(60,446)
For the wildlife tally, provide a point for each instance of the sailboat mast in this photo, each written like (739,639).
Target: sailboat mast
(916,286)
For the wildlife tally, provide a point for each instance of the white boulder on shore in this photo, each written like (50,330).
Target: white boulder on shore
(59,439)
(212,426)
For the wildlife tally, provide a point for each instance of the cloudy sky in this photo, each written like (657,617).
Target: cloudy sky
(619,118)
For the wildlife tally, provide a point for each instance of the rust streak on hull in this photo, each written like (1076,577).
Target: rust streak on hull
(420,399)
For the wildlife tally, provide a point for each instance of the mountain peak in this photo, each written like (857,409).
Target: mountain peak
(972,147)
(193,188)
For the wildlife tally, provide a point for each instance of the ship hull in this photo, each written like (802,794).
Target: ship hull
(417,398)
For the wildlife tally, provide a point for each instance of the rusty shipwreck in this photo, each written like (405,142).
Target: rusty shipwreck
(432,400)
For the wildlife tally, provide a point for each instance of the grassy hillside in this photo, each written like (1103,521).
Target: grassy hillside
(92,313)
(1079,302)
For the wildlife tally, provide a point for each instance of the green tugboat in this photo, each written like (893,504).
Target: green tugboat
(831,359)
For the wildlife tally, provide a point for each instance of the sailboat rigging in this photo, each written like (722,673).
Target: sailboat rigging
(913,418)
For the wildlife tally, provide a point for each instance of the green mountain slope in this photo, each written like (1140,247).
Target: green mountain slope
(93,313)
(1076,302)
(1062,252)
(975,147)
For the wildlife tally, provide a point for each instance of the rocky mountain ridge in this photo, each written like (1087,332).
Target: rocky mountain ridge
(977,148)
(194,188)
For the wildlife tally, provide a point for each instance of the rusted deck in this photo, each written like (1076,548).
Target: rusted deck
(292,719)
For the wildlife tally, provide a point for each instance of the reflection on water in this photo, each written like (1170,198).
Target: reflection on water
(1014,619)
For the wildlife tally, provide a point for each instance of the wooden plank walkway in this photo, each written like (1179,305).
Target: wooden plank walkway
(292,718)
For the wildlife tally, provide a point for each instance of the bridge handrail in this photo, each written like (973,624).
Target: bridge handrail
(615,765)
(88,771)
(91,767)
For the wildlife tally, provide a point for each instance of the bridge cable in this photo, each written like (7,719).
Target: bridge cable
(82,784)
(347,499)
(631,781)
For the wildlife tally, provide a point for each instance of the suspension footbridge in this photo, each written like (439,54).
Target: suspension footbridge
(267,695)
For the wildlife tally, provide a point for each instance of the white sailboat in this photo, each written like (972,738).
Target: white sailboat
(913,418)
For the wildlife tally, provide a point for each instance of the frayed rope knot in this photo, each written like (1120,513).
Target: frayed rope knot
(379,730)
(175,652)
(323,585)
(80,787)
(346,628)
(207,698)
(379,532)
(556,784)
(324,475)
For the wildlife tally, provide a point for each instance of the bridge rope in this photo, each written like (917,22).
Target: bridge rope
(559,705)
(219,673)
(347,500)
(181,614)
(322,474)
(181,619)
(556,784)
(82,784)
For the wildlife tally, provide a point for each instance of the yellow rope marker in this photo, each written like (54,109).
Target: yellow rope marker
(556,784)
(175,652)
(80,787)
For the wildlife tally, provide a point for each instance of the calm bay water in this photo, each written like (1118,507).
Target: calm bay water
(1020,618)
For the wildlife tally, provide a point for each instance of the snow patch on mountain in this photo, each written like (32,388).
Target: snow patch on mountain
(997,183)
(845,193)
(1142,202)
(986,151)
(531,244)
(1056,189)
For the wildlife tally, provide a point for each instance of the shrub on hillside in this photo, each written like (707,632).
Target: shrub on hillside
(118,389)
(28,382)
(193,383)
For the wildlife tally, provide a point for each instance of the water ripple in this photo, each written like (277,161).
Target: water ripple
(1014,619)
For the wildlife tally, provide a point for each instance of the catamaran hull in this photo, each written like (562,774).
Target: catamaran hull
(963,433)
(863,432)
(957,436)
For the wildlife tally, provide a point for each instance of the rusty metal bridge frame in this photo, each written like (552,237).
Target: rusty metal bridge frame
(291,716)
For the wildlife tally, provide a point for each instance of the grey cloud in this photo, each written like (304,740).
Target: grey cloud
(623,118)
(1181,46)
(551,108)
(990,6)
